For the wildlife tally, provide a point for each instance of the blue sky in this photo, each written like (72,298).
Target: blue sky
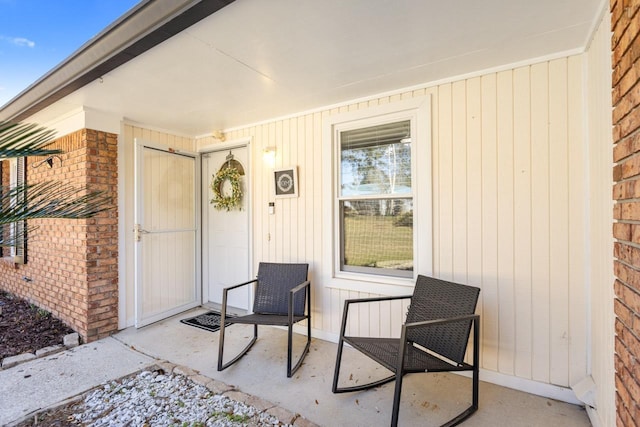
(36,35)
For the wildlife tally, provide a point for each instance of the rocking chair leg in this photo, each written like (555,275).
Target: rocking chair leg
(476,367)
(343,328)
(475,388)
(221,343)
(396,400)
(292,370)
(289,350)
(336,372)
(222,366)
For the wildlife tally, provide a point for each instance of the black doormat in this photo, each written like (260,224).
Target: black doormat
(209,321)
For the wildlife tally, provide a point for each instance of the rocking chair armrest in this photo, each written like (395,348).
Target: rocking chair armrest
(293,291)
(299,287)
(225,290)
(414,325)
(347,303)
(375,299)
(427,323)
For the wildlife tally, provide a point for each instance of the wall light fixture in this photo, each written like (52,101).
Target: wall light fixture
(269,156)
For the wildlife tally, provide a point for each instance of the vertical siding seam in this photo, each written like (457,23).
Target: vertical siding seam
(567,221)
(531,296)
(450,172)
(481,118)
(497,204)
(513,222)
(466,181)
(466,195)
(548,281)
(452,154)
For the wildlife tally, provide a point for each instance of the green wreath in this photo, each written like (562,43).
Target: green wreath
(221,201)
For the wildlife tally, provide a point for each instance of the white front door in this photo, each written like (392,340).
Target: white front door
(225,242)
(166,232)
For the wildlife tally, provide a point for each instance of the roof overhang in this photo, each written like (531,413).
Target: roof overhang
(195,67)
(145,26)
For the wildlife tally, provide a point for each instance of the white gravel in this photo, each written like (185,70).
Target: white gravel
(152,398)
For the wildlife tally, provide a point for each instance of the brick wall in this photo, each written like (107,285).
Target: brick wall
(5,178)
(71,265)
(625,23)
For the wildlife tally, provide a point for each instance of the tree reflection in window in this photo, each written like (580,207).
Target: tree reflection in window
(376,199)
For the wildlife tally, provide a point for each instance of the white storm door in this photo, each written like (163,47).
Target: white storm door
(167,279)
(226,234)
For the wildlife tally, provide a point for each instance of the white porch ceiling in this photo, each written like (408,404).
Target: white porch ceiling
(255,59)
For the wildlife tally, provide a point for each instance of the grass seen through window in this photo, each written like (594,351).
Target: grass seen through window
(382,241)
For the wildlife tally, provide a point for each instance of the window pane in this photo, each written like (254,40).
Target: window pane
(376,160)
(378,236)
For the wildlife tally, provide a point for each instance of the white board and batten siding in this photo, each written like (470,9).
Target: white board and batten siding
(509,213)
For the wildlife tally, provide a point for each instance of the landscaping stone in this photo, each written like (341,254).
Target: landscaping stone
(8,362)
(303,422)
(218,387)
(49,350)
(166,366)
(184,371)
(250,400)
(282,414)
(72,340)
(200,379)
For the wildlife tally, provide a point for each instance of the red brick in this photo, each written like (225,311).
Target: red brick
(629,123)
(624,314)
(617,173)
(626,147)
(62,274)
(622,231)
(628,211)
(630,101)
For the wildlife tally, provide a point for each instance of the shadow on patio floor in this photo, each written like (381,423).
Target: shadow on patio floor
(427,399)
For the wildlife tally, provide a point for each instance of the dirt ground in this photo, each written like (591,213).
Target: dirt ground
(25,328)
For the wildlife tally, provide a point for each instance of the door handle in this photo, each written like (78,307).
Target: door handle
(139,231)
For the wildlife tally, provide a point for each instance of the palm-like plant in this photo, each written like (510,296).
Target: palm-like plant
(49,199)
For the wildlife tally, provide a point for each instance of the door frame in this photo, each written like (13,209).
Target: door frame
(204,226)
(139,145)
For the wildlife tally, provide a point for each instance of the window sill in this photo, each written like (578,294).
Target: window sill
(371,284)
(11,261)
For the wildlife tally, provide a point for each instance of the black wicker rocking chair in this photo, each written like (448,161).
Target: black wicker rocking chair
(439,319)
(282,298)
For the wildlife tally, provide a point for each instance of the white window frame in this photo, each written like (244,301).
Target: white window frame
(418,110)
(16,177)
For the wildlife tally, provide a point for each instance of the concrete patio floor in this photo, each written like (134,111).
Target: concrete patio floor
(427,399)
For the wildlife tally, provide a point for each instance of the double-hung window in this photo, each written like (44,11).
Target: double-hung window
(378,203)
(375,199)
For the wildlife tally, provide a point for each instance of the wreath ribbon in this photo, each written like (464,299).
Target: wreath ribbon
(220,201)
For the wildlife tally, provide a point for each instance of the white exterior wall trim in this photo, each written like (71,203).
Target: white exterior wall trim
(529,386)
(81,118)
(226,145)
(158,129)
(122,234)
(595,25)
